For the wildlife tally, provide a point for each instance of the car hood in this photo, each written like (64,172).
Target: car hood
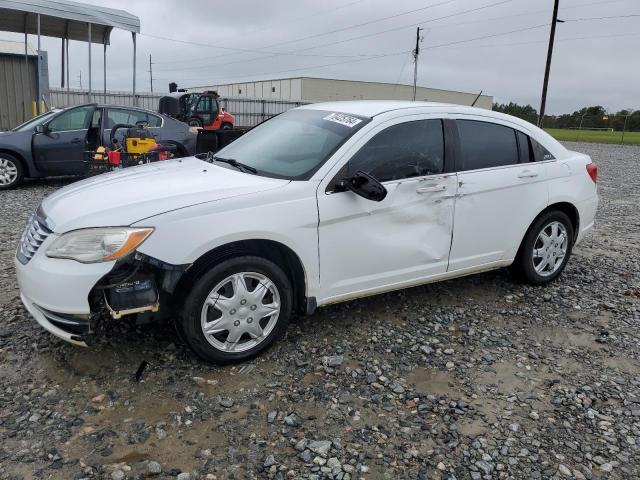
(133,194)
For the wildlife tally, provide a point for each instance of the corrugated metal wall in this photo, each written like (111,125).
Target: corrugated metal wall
(17,89)
(60,97)
(248,111)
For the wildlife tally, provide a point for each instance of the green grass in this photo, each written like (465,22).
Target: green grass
(594,136)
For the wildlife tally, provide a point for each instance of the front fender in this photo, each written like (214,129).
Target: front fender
(283,216)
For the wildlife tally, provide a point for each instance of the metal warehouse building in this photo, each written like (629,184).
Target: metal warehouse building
(18,82)
(311,89)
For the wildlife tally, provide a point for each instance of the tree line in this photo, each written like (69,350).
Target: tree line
(587,117)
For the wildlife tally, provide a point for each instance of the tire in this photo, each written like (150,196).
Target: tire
(551,256)
(195,122)
(227,126)
(11,171)
(238,334)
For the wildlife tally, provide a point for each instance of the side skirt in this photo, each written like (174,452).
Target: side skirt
(414,283)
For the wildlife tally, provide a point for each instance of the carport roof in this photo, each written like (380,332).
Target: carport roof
(64,19)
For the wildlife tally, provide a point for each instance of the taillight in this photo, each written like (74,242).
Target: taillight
(592,170)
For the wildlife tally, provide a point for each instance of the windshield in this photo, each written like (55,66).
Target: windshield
(295,144)
(39,120)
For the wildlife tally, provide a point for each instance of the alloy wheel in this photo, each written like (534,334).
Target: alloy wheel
(240,312)
(550,249)
(8,171)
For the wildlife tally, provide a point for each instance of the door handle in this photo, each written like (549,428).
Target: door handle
(433,188)
(527,174)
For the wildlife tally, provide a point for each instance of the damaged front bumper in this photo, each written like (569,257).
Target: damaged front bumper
(73,329)
(65,297)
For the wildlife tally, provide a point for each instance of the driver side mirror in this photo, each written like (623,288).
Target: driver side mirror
(42,128)
(365,185)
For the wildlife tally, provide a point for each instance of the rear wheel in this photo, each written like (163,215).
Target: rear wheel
(195,122)
(546,249)
(237,309)
(11,171)
(227,126)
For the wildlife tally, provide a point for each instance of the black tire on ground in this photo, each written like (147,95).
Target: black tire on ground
(523,266)
(190,322)
(226,126)
(195,122)
(11,171)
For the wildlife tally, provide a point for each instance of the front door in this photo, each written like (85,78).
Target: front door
(368,246)
(60,149)
(501,190)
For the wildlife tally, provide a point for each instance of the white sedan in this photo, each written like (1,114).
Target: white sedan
(324,203)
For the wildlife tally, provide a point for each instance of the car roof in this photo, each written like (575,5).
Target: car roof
(370,108)
(104,105)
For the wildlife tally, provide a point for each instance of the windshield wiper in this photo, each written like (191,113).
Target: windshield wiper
(234,163)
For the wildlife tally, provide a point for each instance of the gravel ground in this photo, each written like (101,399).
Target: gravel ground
(478,377)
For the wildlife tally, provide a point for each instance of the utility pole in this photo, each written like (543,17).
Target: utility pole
(552,37)
(416,52)
(80,79)
(151,73)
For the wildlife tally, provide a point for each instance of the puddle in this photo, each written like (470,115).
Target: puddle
(434,382)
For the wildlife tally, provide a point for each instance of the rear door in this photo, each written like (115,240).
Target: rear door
(126,116)
(60,151)
(501,189)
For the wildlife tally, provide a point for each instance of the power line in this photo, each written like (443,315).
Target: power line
(241,50)
(471,10)
(331,32)
(317,66)
(314,15)
(566,39)
(632,15)
(523,14)
(487,36)
(392,54)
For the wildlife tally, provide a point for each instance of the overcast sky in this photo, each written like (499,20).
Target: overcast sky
(596,61)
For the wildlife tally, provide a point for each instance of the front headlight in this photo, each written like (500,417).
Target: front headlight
(92,245)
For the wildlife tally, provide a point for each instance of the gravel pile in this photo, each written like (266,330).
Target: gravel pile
(474,378)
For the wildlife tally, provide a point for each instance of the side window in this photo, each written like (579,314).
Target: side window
(204,104)
(540,153)
(486,145)
(154,121)
(127,117)
(411,149)
(524,147)
(74,119)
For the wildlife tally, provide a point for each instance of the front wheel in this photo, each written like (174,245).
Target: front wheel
(237,309)
(546,249)
(195,122)
(11,172)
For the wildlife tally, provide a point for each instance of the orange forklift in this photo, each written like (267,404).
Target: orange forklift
(200,110)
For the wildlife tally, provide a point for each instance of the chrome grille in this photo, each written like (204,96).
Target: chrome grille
(34,234)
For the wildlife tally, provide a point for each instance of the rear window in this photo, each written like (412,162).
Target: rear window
(131,117)
(524,146)
(540,153)
(486,145)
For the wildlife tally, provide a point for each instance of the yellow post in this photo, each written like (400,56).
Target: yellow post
(33,109)
(42,107)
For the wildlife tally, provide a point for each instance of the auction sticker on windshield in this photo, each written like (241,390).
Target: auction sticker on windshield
(342,119)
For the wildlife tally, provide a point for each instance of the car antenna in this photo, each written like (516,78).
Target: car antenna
(477,98)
